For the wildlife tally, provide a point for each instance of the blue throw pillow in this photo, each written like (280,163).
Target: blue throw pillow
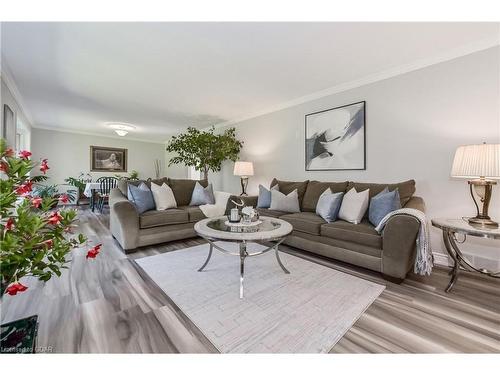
(328,205)
(383,203)
(142,197)
(202,195)
(264,199)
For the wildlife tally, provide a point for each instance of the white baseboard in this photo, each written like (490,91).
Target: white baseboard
(441,259)
(477,261)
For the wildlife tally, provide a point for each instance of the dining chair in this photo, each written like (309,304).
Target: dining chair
(105,186)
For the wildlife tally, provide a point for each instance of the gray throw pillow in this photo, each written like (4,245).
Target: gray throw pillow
(202,195)
(264,199)
(285,203)
(142,197)
(383,203)
(328,206)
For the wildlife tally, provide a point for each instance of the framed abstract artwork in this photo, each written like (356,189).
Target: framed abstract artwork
(335,139)
(108,159)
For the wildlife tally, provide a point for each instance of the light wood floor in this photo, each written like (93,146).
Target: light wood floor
(109,305)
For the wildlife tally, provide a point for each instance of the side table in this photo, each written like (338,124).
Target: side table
(450,228)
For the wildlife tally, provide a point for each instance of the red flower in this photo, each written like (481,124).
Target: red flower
(64,198)
(14,288)
(9,152)
(24,188)
(44,166)
(4,167)
(55,218)
(36,202)
(48,243)
(24,154)
(10,224)
(92,253)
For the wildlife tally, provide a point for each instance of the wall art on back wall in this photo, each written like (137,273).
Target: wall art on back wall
(104,159)
(335,138)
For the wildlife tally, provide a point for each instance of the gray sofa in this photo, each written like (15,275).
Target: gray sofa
(391,253)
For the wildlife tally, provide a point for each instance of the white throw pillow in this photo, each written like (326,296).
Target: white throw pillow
(286,203)
(354,206)
(163,196)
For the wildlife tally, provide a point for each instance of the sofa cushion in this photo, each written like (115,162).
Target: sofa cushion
(329,205)
(363,233)
(286,187)
(183,189)
(406,189)
(194,212)
(286,203)
(123,183)
(142,197)
(382,204)
(165,217)
(354,206)
(264,198)
(316,188)
(163,196)
(307,222)
(202,195)
(270,213)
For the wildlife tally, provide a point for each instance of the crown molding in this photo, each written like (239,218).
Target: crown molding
(7,76)
(126,138)
(372,78)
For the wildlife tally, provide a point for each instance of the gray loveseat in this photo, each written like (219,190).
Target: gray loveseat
(133,230)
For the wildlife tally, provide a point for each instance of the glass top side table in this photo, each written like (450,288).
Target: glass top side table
(450,228)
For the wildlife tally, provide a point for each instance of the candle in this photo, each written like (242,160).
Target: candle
(235,215)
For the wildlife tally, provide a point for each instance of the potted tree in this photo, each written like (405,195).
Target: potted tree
(204,150)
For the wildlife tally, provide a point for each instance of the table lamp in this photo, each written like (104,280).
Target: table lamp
(243,169)
(481,165)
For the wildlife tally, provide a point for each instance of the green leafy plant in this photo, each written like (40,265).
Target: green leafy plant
(51,191)
(34,239)
(133,175)
(78,183)
(204,150)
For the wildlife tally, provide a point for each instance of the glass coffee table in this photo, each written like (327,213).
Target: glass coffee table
(269,232)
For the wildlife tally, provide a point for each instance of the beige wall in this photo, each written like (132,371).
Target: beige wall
(69,153)
(414,122)
(6,97)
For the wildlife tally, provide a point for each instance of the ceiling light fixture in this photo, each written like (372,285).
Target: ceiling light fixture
(121,128)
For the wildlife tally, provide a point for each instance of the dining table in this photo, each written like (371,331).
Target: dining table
(90,191)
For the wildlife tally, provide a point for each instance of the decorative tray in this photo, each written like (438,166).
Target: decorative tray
(240,224)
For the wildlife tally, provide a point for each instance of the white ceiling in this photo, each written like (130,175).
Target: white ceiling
(163,77)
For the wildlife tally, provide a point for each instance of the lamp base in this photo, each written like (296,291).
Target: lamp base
(483,188)
(482,223)
(244,184)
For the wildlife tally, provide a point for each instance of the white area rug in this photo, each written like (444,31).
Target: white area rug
(307,311)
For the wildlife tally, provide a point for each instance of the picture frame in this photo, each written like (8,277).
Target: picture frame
(8,125)
(335,138)
(108,159)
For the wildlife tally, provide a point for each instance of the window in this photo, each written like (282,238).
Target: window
(193,174)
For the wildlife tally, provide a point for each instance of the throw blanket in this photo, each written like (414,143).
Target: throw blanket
(217,209)
(424,259)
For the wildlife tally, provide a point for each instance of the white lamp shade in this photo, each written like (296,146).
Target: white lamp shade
(473,161)
(243,168)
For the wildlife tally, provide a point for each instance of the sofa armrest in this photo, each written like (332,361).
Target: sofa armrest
(416,203)
(399,245)
(248,201)
(123,220)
